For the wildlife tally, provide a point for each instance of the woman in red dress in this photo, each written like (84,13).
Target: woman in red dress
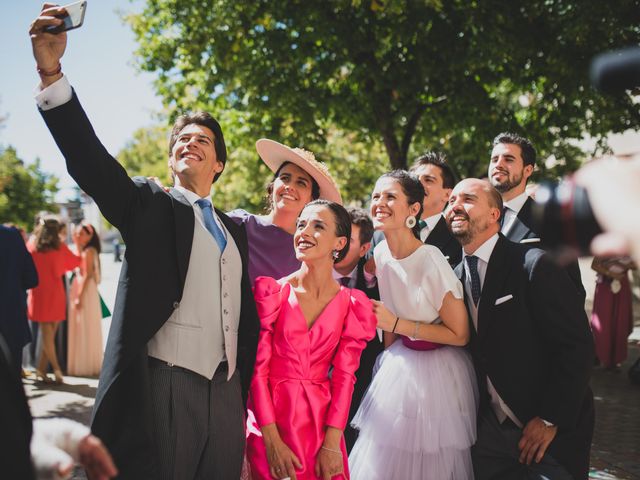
(309,325)
(46,304)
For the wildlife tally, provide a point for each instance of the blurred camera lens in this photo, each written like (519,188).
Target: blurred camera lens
(563,217)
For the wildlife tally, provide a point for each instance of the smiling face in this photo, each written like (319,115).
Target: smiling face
(507,171)
(193,156)
(471,214)
(390,206)
(292,189)
(315,238)
(436,196)
(82,235)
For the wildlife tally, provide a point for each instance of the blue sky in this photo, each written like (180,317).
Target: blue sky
(99,64)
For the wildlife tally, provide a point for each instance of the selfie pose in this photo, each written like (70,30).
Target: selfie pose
(309,325)
(181,349)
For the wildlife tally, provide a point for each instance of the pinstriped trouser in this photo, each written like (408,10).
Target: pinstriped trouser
(198,424)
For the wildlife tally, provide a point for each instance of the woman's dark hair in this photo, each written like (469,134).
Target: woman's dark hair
(315,188)
(343,222)
(94,240)
(47,234)
(412,188)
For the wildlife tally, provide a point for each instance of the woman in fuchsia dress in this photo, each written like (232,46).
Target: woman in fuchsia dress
(309,325)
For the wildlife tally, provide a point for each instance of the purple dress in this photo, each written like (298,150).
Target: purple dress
(271,252)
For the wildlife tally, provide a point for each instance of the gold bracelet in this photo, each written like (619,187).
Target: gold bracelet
(331,450)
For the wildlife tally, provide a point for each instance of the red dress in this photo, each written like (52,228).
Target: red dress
(48,302)
(291,384)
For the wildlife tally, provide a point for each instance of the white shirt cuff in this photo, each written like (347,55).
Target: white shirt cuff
(56,94)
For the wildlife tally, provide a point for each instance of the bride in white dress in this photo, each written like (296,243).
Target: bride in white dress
(417,420)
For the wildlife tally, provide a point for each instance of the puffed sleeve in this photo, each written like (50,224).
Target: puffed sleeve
(439,279)
(268,296)
(69,259)
(359,327)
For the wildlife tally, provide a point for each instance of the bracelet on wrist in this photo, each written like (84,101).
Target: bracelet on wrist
(49,73)
(415,330)
(331,450)
(393,330)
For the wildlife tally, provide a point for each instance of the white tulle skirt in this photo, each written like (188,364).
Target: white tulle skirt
(417,420)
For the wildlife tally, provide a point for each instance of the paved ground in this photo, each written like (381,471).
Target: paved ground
(616,444)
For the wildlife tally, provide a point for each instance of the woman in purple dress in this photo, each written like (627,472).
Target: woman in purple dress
(298,179)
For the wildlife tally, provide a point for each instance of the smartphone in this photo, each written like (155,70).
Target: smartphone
(73,18)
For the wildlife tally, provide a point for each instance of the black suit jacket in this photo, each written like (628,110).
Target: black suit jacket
(367,359)
(439,237)
(442,238)
(158,229)
(523,229)
(17,274)
(536,347)
(15,418)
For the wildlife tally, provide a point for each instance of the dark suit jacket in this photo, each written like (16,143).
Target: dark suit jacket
(158,229)
(15,418)
(523,229)
(17,274)
(439,237)
(536,347)
(367,359)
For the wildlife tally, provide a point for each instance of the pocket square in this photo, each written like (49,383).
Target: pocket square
(506,298)
(530,240)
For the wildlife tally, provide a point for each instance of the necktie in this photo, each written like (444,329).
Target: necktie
(210,223)
(422,224)
(502,215)
(472,264)
(344,281)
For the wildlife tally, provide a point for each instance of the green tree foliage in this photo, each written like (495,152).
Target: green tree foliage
(24,190)
(410,74)
(146,154)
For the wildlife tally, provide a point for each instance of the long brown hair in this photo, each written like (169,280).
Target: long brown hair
(47,234)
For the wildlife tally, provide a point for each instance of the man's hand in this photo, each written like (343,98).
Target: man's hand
(535,440)
(95,458)
(48,48)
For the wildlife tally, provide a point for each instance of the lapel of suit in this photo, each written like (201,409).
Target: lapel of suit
(521,227)
(493,281)
(233,228)
(437,236)
(184,222)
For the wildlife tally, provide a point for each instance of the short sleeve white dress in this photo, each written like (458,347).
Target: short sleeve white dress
(417,420)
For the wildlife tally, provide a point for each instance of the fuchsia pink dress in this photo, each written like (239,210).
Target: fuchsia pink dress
(291,384)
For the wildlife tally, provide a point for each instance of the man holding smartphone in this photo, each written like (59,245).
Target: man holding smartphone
(183,339)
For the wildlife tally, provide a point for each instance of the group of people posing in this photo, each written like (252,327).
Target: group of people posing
(455,350)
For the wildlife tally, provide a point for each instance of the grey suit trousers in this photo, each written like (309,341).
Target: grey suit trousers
(198,423)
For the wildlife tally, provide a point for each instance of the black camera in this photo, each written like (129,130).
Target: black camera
(563,217)
(562,213)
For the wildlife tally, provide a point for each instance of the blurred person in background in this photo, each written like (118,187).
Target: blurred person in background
(47,302)
(612,316)
(85,313)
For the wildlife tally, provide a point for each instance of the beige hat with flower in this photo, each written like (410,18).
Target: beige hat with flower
(274,154)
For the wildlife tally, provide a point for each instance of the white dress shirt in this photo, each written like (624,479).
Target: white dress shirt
(512,209)
(432,221)
(483,253)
